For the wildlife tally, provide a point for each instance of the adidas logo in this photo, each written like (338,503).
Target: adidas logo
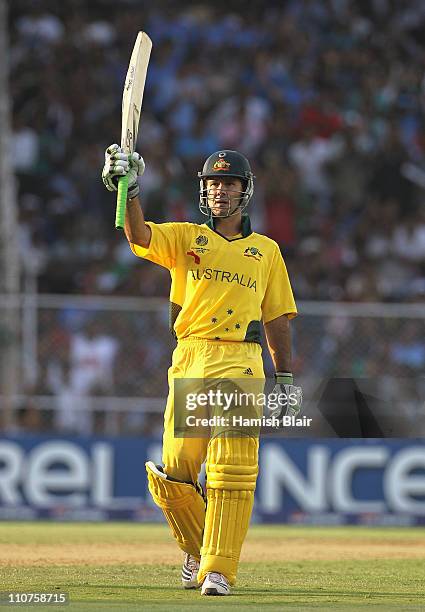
(248,371)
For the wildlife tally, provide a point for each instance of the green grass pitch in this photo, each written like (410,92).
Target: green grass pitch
(127,566)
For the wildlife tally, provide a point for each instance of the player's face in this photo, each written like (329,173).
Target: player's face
(224,195)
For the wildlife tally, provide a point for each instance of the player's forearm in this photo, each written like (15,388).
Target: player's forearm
(278,337)
(135,227)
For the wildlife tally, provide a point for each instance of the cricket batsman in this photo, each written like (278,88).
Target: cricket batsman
(226,280)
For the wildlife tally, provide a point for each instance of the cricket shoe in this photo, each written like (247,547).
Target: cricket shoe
(215,584)
(189,572)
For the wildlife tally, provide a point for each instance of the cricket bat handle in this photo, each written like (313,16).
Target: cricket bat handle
(121,202)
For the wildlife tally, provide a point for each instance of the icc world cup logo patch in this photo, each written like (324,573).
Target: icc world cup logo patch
(201,240)
(253,252)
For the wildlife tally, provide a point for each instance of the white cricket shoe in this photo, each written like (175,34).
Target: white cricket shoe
(189,571)
(215,584)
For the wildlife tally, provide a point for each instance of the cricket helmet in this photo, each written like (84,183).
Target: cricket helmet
(226,164)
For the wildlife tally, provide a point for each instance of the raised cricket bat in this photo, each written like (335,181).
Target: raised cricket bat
(131,106)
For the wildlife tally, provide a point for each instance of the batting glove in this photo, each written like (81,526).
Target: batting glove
(119,164)
(291,397)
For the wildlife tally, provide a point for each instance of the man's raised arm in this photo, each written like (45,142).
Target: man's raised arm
(136,230)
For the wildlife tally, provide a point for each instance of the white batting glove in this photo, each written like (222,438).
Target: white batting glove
(290,396)
(119,164)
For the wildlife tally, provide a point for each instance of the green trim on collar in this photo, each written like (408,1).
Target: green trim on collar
(245,229)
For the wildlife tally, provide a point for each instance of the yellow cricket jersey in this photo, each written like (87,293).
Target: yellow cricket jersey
(220,288)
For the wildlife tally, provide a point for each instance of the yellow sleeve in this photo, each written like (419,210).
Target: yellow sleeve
(163,246)
(278,298)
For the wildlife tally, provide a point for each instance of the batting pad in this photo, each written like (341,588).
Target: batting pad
(183,506)
(232,468)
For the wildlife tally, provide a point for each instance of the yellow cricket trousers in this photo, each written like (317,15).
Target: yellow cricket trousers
(231,462)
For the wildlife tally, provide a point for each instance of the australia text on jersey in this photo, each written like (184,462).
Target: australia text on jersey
(224,276)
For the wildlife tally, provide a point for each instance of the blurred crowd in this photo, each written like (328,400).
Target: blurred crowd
(325,97)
